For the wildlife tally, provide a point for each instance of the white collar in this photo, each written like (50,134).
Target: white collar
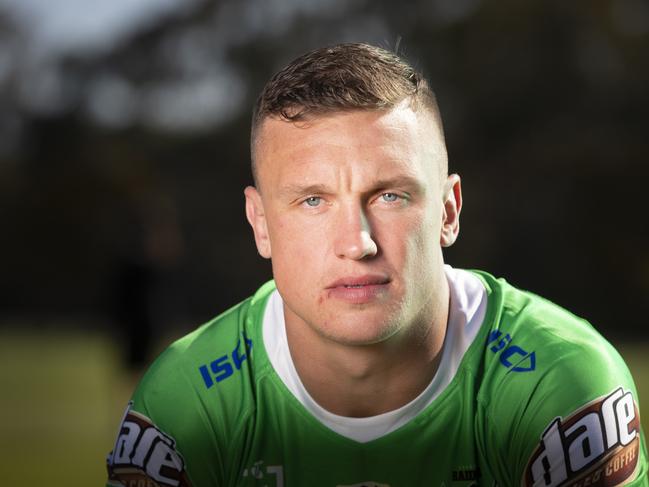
(468,304)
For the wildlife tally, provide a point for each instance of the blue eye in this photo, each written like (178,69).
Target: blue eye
(313,201)
(390,197)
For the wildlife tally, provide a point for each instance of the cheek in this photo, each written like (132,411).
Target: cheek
(422,244)
(295,238)
(296,252)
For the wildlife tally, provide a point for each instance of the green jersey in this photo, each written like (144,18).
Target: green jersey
(526,394)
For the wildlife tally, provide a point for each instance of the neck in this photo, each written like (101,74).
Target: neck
(367,380)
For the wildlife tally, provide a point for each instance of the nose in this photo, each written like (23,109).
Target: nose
(353,234)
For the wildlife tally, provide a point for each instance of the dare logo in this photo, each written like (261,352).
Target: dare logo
(597,445)
(144,456)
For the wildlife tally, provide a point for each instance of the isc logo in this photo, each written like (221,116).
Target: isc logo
(144,454)
(596,445)
(511,356)
(222,368)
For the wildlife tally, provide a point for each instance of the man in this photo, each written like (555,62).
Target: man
(367,361)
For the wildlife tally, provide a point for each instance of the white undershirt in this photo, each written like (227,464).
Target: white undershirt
(468,304)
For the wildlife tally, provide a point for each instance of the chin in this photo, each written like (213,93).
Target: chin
(358,332)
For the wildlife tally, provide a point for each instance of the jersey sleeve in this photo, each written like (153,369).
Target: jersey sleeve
(572,419)
(164,438)
(188,419)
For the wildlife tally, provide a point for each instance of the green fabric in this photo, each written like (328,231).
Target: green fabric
(530,363)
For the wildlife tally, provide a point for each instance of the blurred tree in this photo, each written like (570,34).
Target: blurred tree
(544,105)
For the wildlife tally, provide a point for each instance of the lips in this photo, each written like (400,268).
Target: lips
(359,289)
(356,282)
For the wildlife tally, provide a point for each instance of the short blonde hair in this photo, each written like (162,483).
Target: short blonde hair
(353,76)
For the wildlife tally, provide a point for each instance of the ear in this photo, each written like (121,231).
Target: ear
(451,210)
(257,219)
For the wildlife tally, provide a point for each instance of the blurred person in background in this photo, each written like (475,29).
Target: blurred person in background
(154,248)
(368,360)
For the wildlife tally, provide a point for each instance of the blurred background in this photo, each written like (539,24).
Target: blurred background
(124,152)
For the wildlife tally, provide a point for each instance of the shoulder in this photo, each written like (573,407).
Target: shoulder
(529,336)
(551,382)
(197,396)
(197,359)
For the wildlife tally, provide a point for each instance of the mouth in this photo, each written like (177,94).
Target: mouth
(358,282)
(359,289)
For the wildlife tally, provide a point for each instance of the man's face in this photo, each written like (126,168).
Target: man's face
(352,208)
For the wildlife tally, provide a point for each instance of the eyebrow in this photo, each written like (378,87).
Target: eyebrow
(296,190)
(400,182)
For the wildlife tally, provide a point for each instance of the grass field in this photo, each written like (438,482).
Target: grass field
(63,395)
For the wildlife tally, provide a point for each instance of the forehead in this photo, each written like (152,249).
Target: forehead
(395,141)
